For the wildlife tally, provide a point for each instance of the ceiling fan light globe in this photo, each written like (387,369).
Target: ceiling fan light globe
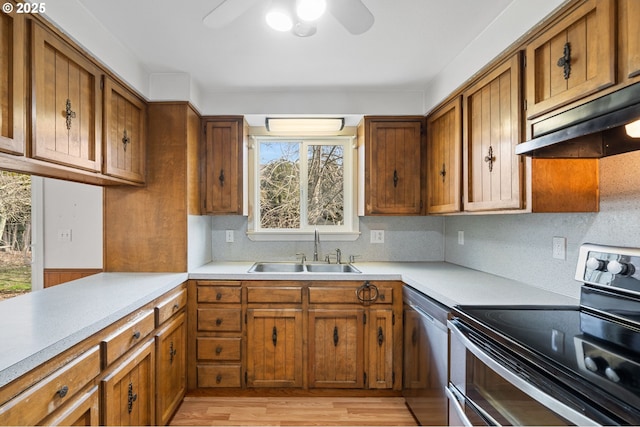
(310,10)
(279,20)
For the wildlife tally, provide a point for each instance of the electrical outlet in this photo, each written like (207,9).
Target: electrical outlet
(377,236)
(461,237)
(559,248)
(229,236)
(64,234)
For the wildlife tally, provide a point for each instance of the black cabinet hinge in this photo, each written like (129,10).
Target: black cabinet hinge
(393,319)
(246,378)
(245,318)
(393,378)
(364,378)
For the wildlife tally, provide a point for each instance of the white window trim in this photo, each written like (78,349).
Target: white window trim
(348,232)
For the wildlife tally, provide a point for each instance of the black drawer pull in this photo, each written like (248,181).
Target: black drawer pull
(63,391)
(218,296)
(218,378)
(218,322)
(136,335)
(176,306)
(335,336)
(274,336)
(219,349)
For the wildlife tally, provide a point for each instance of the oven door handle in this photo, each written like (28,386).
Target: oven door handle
(550,402)
(455,397)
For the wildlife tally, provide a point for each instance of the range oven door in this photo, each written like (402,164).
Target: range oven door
(482,390)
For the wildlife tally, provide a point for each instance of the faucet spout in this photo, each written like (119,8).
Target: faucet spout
(316,241)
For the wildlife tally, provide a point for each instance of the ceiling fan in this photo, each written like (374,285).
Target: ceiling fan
(352,14)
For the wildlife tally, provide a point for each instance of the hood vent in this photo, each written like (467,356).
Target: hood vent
(593,130)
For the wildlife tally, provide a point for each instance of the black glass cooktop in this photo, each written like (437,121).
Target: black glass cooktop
(567,341)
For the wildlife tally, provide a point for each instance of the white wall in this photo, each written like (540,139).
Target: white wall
(519,246)
(75,207)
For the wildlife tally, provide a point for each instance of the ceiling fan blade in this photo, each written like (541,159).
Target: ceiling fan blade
(225,12)
(352,14)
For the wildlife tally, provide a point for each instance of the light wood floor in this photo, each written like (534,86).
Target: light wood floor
(293,411)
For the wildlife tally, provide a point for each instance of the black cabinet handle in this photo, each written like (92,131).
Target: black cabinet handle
(136,335)
(367,293)
(443,172)
(274,336)
(218,322)
(380,336)
(490,158)
(218,296)
(69,114)
(565,60)
(63,391)
(395,178)
(172,352)
(131,397)
(125,140)
(218,349)
(218,378)
(335,336)
(221,177)
(176,306)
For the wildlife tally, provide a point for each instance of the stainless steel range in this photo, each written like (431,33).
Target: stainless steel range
(554,365)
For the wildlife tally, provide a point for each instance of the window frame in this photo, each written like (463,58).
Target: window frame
(348,231)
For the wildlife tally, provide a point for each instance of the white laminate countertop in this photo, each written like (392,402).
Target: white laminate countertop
(40,325)
(449,284)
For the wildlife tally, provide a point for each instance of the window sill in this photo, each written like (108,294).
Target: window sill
(302,236)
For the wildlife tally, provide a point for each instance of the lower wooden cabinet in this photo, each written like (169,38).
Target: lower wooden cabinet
(295,335)
(274,347)
(336,348)
(128,389)
(171,346)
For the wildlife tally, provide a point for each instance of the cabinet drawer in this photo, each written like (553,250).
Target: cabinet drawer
(219,294)
(220,320)
(130,334)
(30,407)
(219,376)
(275,294)
(349,295)
(168,307)
(215,349)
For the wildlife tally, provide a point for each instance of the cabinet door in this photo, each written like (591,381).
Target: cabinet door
(381,343)
(444,156)
(222,180)
(128,390)
(67,125)
(336,348)
(170,368)
(274,347)
(492,172)
(125,133)
(393,150)
(629,39)
(12,84)
(574,58)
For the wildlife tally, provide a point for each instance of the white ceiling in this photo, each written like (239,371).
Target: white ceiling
(409,43)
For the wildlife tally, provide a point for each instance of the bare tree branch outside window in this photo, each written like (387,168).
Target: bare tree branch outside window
(281,185)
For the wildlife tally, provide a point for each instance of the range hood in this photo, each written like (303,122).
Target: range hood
(593,130)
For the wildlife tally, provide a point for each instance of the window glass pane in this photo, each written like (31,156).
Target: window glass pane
(279,184)
(325,185)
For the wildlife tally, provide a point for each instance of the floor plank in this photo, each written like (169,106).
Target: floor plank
(293,411)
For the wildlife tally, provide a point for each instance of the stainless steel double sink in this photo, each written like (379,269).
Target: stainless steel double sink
(295,267)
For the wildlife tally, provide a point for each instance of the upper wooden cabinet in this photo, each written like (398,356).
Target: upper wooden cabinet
(67,126)
(222,181)
(393,164)
(125,117)
(628,40)
(444,157)
(12,83)
(573,58)
(491,130)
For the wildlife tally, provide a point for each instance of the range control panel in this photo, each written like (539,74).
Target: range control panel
(609,266)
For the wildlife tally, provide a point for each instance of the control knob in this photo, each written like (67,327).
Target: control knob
(595,264)
(621,268)
(612,374)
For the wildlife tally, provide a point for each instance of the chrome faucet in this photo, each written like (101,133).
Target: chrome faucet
(316,242)
(338,256)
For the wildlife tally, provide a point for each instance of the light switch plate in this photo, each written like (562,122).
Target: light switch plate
(229,236)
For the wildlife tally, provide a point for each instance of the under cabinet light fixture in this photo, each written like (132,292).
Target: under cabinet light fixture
(633,129)
(303,126)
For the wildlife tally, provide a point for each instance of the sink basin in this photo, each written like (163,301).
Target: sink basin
(276,267)
(331,268)
(294,267)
